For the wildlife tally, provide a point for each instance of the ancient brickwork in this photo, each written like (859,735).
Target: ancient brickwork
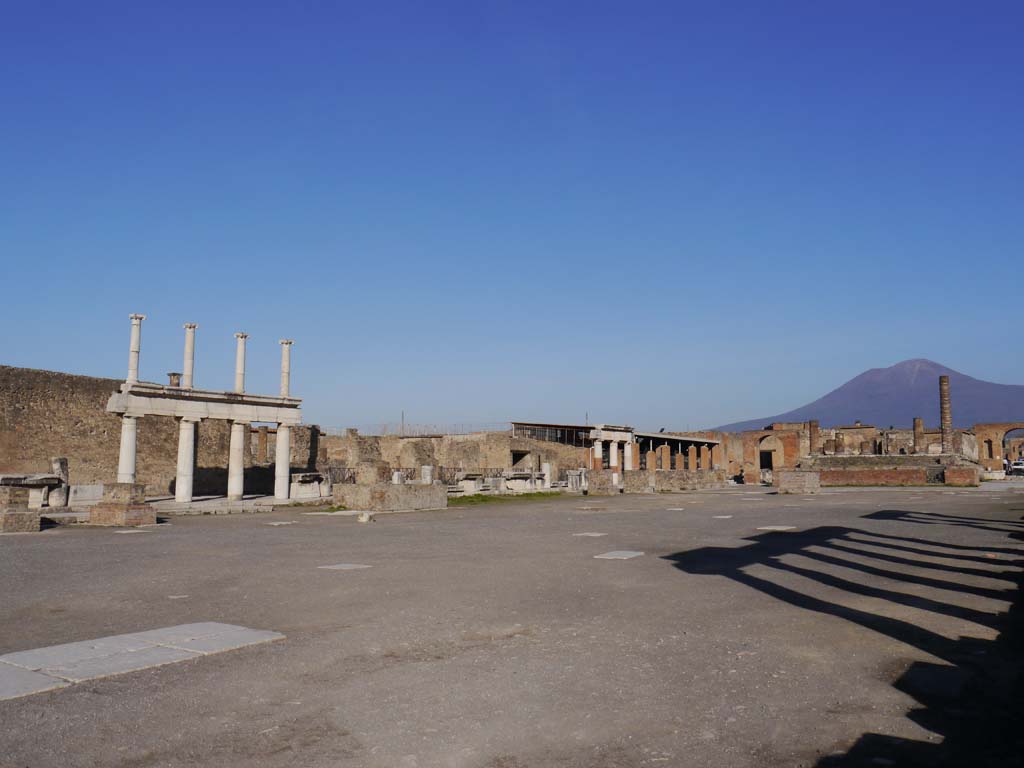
(872,477)
(962,476)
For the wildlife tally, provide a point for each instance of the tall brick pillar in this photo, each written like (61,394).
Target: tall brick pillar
(691,457)
(814,429)
(919,446)
(945,415)
(705,457)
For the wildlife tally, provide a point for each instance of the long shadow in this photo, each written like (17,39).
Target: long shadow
(930,553)
(944,545)
(897,560)
(925,518)
(973,701)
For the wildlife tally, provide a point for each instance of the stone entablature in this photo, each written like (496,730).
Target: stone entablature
(143,398)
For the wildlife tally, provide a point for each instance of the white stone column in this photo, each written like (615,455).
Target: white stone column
(236,460)
(240,361)
(613,454)
(598,453)
(190,355)
(627,451)
(186,460)
(134,345)
(282,462)
(126,457)
(286,365)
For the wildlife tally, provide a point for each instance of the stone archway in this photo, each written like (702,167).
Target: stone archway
(771,456)
(992,436)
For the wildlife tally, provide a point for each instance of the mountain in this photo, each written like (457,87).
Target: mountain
(893,396)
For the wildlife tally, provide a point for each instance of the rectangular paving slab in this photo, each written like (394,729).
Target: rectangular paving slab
(42,669)
(16,681)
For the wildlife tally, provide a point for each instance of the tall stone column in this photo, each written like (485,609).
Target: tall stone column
(190,355)
(814,431)
(240,361)
(705,457)
(627,452)
(613,454)
(286,365)
(134,346)
(919,446)
(691,457)
(236,460)
(282,462)
(946,415)
(126,456)
(186,460)
(597,461)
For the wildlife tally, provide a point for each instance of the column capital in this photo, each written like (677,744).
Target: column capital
(190,419)
(241,335)
(190,326)
(286,342)
(135,317)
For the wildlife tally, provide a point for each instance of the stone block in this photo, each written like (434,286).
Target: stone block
(19,520)
(387,497)
(797,481)
(124,493)
(13,496)
(111,513)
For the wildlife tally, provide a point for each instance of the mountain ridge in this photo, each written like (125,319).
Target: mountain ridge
(893,396)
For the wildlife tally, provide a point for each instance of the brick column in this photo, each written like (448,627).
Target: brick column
(814,429)
(919,446)
(946,415)
(705,457)
(691,457)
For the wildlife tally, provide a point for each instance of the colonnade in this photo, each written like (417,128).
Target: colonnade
(185,470)
(697,456)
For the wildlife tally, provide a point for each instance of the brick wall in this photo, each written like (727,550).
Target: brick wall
(902,476)
(962,476)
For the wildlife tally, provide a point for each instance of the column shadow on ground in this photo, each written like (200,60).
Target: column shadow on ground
(973,701)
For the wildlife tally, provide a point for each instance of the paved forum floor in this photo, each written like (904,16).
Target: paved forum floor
(491,636)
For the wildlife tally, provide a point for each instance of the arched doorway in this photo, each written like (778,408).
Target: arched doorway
(1012,445)
(771,456)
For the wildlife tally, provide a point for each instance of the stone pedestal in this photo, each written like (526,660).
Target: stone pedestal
(19,520)
(123,504)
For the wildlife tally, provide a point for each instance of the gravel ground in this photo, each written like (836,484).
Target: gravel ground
(855,627)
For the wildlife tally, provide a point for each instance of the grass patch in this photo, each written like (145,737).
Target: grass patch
(481,498)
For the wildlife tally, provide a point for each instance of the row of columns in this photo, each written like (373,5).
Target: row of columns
(185,470)
(631,457)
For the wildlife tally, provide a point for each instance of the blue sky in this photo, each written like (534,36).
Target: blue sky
(667,214)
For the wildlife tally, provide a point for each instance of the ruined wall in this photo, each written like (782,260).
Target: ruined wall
(872,477)
(672,480)
(480,450)
(45,414)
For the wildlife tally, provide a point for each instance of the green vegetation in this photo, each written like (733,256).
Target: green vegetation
(480,498)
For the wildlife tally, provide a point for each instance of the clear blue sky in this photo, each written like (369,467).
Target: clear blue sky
(667,214)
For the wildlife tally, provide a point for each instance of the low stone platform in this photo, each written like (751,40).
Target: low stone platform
(214,505)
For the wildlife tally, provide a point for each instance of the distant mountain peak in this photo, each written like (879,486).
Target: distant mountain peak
(893,396)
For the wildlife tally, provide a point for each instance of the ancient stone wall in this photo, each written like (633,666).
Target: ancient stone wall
(671,480)
(480,450)
(872,477)
(45,414)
